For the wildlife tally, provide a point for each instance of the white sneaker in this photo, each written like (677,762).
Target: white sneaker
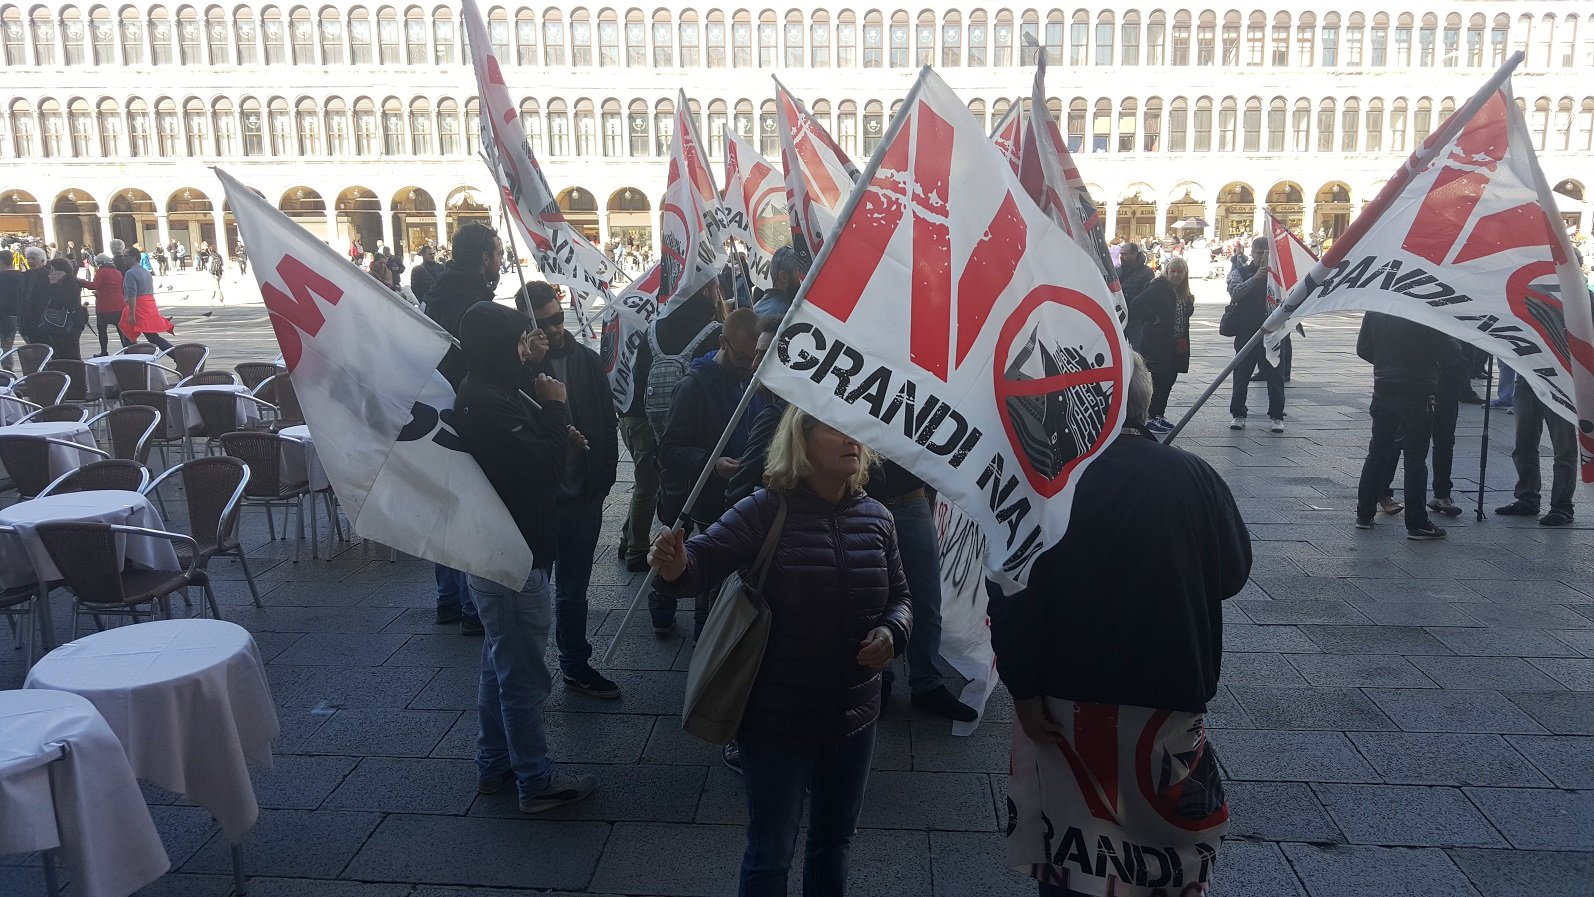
(1239,424)
(564,789)
(1278,425)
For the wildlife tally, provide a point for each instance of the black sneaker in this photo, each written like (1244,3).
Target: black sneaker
(639,565)
(564,789)
(471,627)
(732,755)
(447,615)
(663,623)
(492,784)
(940,702)
(1556,518)
(1428,533)
(590,682)
(1518,508)
(1364,522)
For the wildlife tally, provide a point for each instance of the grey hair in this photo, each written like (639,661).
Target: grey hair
(35,255)
(118,247)
(1139,401)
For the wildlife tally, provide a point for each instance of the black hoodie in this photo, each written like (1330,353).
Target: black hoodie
(521,450)
(451,295)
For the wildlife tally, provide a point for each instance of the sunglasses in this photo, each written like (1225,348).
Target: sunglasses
(557,319)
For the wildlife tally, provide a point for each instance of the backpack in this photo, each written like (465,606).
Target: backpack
(666,371)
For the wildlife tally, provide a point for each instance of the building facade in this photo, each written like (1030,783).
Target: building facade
(360,121)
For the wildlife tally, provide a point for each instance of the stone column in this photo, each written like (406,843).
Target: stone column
(1110,220)
(105,233)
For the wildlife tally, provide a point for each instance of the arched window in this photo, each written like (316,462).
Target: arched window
(742,120)
(102,36)
(337,127)
(1231,38)
(1378,42)
(1276,110)
(1375,125)
(525,38)
(1305,31)
(718,122)
(1355,28)
(1078,112)
(585,127)
(531,121)
(1452,41)
(819,40)
(1101,127)
(1105,34)
(1201,125)
(498,33)
(217,36)
(81,125)
(1152,140)
(360,37)
(714,40)
(846,40)
(301,31)
(1301,126)
(393,127)
(448,142)
(663,40)
(1029,38)
(1538,123)
(636,121)
(109,125)
(611,123)
(1447,108)
(609,38)
(1567,56)
(977,109)
(74,36)
(1156,37)
(1325,126)
(924,39)
(1253,125)
(1255,39)
(1206,39)
(553,38)
(952,40)
(443,37)
(1130,33)
(168,129)
(188,37)
(224,123)
(1281,39)
(873,126)
(160,38)
(16,38)
(1426,36)
(1397,125)
(768,130)
(768,37)
(873,41)
(979,39)
(1180,52)
(140,143)
(1128,114)
(1178,125)
(197,122)
(1002,39)
(690,37)
(897,36)
(365,127)
(742,41)
(1227,126)
(245,35)
(792,39)
(1330,40)
(473,127)
(21,129)
(847,127)
(1561,129)
(307,117)
(421,127)
(273,36)
(331,34)
(1583,134)
(415,36)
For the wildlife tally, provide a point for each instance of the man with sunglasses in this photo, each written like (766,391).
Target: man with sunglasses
(591,457)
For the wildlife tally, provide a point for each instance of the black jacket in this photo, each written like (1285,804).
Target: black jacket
(749,476)
(1154,323)
(521,450)
(591,406)
(455,291)
(12,283)
(1133,280)
(1127,607)
(1405,355)
(700,408)
(1250,298)
(423,277)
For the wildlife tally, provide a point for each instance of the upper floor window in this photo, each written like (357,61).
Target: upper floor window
(819,41)
(899,42)
(663,44)
(742,42)
(714,37)
(767,39)
(1002,40)
(846,41)
(690,38)
(1129,39)
(553,40)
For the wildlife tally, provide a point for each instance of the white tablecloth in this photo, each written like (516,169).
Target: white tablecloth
(11,408)
(299,460)
(189,701)
(99,380)
(180,402)
(65,782)
(24,560)
(62,458)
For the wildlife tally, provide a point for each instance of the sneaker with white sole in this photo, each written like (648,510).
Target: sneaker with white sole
(1426,534)
(1278,425)
(564,789)
(1238,424)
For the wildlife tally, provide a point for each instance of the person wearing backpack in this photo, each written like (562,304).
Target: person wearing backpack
(703,403)
(690,331)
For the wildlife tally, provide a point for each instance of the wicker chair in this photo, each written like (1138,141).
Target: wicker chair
(266,488)
(135,373)
(141,349)
(166,435)
(218,414)
(32,357)
(43,387)
(66,412)
(213,488)
(27,460)
(13,409)
(130,429)
(208,378)
(253,373)
(90,564)
(113,473)
(188,358)
(279,391)
(77,389)
(17,605)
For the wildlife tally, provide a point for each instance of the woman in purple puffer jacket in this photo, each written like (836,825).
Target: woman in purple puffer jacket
(840,610)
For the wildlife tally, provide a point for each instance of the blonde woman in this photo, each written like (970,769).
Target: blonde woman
(840,611)
(1159,329)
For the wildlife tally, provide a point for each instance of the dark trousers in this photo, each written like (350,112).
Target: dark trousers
(1252,361)
(662,607)
(1532,418)
(104,319)
(159,341)
(1446,407)
(1162,380)
(1402,425)
(777,775)
(580,520)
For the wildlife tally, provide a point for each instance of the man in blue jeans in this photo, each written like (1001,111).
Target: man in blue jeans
(454,604)
(521,446)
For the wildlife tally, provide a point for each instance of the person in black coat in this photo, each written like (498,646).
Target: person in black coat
(1159,330)
(469,277)
(1248,311)
(424,275)
(1133,274)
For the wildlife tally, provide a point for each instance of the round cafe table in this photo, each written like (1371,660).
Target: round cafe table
(65,784)
(180,399)
(23,558)
(99,380)
(300,463)
(190,703)
(62,458)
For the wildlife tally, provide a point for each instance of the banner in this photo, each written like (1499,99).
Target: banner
(1008,135)
(753,207)
(1288,260)
(965,628)
(1466,239)
(1130,804)
(1007,377)
(624,327)
(691,245)
(1048,172)
(364,365)
(562,254)
(819,176)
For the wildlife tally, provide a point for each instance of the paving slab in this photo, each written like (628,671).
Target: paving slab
(476,851)
(1278,811)
(1358,670)
(670,859)
(1539,818)
(293,844)
(1521,873)
(1310,707)
(1254,869)
(1568,760)
(1269,756)
(1407,816)
(1452,710)
(1356,871)
(1416,758)
(407,785)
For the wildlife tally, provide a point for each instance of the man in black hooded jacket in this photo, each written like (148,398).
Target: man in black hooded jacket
(521,446)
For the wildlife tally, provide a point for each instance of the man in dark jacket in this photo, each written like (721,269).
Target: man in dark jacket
(1407,360)
(701,407)
(786,273)
(424,275)
(1133,274)
(1248,294)
(11,285)
(521,449)
(1118,641)
(588,474)
(469,277)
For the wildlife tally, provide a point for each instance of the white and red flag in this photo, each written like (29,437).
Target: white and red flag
(1465,239)
(691,244)
(1288,260)
(819,176)
(364,365)
(753,207)
(1008,135)
(1007,379)
(624,328)
(1048,172)
(562,254)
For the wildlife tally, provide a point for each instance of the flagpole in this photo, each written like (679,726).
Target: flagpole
(860,187)
(1483,451)
(1212,387)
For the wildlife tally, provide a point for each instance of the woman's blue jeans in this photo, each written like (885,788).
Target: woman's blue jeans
(515,681)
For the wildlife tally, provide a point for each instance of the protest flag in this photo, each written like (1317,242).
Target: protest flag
(1007,380)
(1288,260)
(562,253)
(1008,135)
(624,327)
(753,206)
(364,365)
(1465,239)
(819,176)
(691,245)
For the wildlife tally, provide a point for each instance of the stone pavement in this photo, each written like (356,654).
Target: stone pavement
(1394,718)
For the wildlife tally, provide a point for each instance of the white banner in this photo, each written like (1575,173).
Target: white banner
(364,366)
(819,176)
(753,207)
(560,251)
(1466,239)
(691,245)
(965,628)
(625,327)
(1008,135)
(1006,378)
(1288,260)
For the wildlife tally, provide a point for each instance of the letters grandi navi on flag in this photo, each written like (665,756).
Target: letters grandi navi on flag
(753,207)
(1465,239)
(819,176)
(624,327)
(1007,380)
(562,254)
(364,366)
(1008,135)
(691,245)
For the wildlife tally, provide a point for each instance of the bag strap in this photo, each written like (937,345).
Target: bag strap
(767,553)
